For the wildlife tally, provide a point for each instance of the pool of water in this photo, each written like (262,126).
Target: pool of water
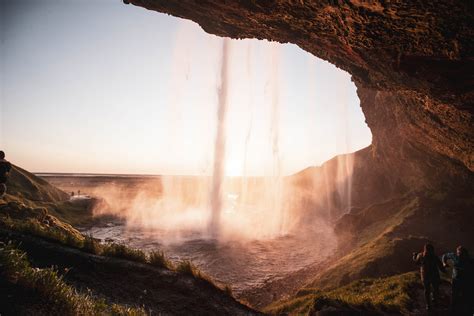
(241,264)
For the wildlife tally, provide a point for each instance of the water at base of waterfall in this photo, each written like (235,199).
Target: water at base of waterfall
(241,264)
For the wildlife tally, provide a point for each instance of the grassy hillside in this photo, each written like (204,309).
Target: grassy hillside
(378,241)
(29,291)
(370,275)
(34,192)
(33,205)
(23,184)
(396,294)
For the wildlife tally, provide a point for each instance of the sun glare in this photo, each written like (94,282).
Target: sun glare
(233,168)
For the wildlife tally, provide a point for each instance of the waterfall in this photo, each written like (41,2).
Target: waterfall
(277,183)
(219,146)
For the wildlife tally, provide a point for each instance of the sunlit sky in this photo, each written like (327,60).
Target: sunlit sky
(103,87)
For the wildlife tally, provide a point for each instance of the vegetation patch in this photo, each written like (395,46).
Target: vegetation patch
(34,192)
(48,287)
(158,259)
(92,245)
(186,267)
(124,252)
(37,221)
(385,295)
(377,248)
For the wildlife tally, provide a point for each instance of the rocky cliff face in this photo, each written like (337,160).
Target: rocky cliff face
(418,141)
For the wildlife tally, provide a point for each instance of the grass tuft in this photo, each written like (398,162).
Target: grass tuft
(92,245)
(187,268)
(124,252)
(158,259)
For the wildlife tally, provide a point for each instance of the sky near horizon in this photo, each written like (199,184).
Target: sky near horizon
(103,87)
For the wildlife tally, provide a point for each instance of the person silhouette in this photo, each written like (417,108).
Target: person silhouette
(429,270)
(462,280)
(5,168)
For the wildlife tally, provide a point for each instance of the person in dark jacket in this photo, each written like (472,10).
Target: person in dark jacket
(430,265)
(5,168)
(462,280)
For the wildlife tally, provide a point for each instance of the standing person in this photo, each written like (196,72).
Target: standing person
(462,279)
(429,270)
(5,168)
